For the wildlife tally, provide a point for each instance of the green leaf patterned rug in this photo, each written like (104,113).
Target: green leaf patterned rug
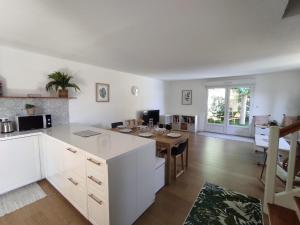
(216,205)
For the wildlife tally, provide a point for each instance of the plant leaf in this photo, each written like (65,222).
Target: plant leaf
(60,80)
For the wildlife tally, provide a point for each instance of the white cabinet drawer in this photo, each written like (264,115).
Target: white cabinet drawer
(97,208)
(74,161)
(261,130)
(95,182)
(95,167)
(75,192)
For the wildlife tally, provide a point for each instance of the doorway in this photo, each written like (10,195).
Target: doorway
(229,110)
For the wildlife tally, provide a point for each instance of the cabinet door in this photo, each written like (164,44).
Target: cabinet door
(19,162)
(54,167)
(65,170)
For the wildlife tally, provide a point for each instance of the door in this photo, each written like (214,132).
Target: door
(228,110)
(19,163)
(54,162)
(216,110)
(239,108)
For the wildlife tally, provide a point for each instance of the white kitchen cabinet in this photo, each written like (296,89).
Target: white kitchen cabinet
(109,178)
(113,192)
(97,188)
(159,173)
(74,170)
(97,206)
(75,192)
(19,162)
(65,170)
(54,162)
(96,175)
(131,181)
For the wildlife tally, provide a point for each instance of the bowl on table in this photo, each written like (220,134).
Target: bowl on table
(160,130)
(125,130)
(174,135)
(146,134)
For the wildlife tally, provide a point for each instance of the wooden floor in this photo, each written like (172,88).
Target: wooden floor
(230,164)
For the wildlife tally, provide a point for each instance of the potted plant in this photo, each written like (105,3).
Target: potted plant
(30,109)
(60,82)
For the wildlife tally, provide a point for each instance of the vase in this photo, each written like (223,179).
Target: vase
(31,111)
(63,93)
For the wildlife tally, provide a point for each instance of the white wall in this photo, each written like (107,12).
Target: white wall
(26,72)
(275,94)
(173,98)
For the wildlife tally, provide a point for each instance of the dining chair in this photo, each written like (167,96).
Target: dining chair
(179,151)
(116,124)
(169,127)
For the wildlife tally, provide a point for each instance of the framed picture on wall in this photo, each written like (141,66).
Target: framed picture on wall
(102,92)
(186,98)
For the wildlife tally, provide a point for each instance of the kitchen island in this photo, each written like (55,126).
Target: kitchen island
(108,177)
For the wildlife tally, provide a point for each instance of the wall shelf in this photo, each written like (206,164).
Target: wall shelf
(181,122)
(185,123)
(23,97)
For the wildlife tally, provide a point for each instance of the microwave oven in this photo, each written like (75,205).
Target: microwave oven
(24,123)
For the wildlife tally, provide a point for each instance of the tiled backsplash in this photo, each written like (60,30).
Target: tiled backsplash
(58,108)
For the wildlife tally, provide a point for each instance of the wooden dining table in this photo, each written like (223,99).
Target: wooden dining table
(166,143)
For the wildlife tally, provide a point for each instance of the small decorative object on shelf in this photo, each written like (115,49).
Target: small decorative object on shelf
(30,109)
(60,82)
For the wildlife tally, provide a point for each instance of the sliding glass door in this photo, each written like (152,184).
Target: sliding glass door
(228,110)
(216,101)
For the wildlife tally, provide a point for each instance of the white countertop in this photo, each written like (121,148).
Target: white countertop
(107,145)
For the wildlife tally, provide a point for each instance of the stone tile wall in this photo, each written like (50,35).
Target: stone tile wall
(58,108)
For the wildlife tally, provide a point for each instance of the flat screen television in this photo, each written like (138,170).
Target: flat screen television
(154,114)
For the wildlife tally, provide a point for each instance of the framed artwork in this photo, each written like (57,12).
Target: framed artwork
(102,92)
(186,98)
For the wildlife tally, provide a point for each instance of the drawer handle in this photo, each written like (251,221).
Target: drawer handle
(71,150)
(95,180)
(96,199)
(73,181)
(94,161)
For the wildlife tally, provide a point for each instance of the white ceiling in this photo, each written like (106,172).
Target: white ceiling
(165,39)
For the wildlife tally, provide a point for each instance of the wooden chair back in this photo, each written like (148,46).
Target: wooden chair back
(289,120)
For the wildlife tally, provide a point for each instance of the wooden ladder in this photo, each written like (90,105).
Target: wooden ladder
(279,215)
